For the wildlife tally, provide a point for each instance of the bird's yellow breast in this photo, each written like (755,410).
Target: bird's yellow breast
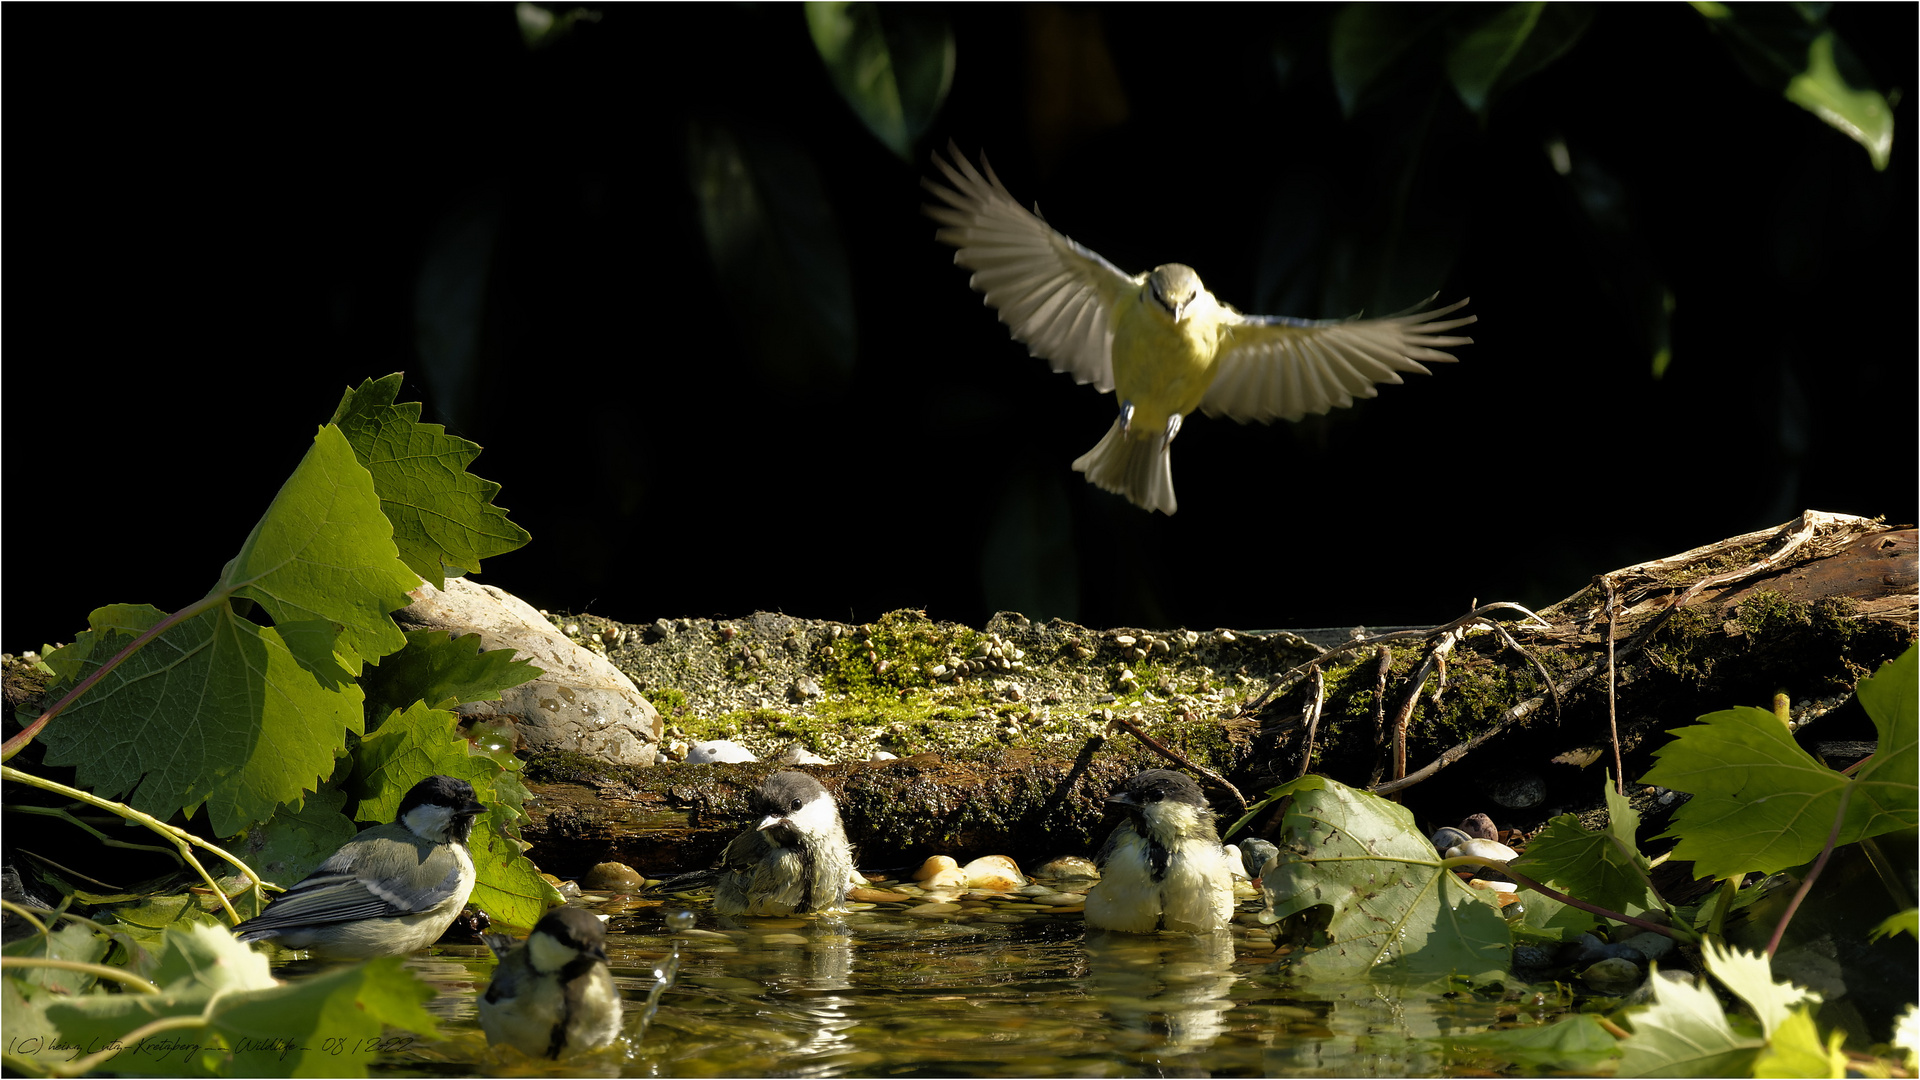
(1160,365)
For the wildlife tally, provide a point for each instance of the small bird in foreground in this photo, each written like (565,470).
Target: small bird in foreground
(553,995)
(1160,339)
(389,891)
(794,860)
(1164,867)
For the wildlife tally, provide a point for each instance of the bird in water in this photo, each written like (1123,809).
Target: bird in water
(794,860)
(1163,868)
(552,995)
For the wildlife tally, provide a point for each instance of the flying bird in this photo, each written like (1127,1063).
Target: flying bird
(1159,339)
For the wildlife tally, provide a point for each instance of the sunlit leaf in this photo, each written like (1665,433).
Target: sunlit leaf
(1789,47)
(443,516)
(1903,922)
(1762,803)
(542,26)
(423,742)
(250,1025)
(1685,1033)
(1392,902)
(69,941)
(893,63)
(1795,1050)
(1750,977)
(1518,41)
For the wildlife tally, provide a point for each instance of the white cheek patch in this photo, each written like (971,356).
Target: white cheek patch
(429,822)
(548,955)
(815,818)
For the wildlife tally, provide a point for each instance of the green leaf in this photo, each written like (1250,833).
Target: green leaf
(249,1025)
(220,710)
(423,742)
(1862,115)
(1750,977)
(1903,922)
(1368,40)
(1795,1050)
(1517,42)
(1576,1043)
(293,842)
(443,516)
(216,710)
(442,671)
(1762,803)
(1391,900)
(1605,868)
(71,941)
(893,63)
(324,551)
(1685,1033)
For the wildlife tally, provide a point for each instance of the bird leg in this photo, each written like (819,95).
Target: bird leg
(1173,428)
(1126,417)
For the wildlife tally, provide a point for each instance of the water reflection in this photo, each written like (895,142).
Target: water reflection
(881,992)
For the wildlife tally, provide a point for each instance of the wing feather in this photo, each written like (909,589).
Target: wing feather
(1286,368)
(1053,293)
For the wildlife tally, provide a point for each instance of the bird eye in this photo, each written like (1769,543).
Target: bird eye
(795,805)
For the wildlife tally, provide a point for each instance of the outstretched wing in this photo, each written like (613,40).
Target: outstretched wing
(1272,366)
(1055,294)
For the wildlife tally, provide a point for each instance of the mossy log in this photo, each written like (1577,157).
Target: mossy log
(1510,720)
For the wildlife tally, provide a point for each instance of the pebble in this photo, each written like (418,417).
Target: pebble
(718,750)
(994,872)
(877,896)
(932,911)
(1059,899)
(612,877)
(934,865)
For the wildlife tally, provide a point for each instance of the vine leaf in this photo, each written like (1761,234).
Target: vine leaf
(421,742)
(1603,867)
(1760,803)
(220,710)
(443,671)
(1391,899)
(286,1027)
(443,516)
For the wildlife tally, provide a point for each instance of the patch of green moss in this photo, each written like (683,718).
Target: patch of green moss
(667,700)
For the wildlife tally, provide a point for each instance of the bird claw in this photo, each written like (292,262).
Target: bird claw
(1126,417)
(1173,428)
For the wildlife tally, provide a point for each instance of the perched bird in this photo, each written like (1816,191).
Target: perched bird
(389,891)
(796,857)
(553,994)
(1164,867)
(1159,339)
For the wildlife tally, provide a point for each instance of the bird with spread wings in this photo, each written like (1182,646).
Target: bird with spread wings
(1160,339)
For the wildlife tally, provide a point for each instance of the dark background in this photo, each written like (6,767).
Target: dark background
(218,218)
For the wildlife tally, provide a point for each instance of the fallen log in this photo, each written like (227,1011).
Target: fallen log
(1008,735)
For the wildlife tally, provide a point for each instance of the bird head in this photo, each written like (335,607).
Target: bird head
(565,936)
(792,806)
(1174,289)
(440,809)
(1161,801)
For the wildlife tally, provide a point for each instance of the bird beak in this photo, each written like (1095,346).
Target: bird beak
(770,821)
(1121,798)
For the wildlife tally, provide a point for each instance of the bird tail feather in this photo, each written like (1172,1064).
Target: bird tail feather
(1139,469)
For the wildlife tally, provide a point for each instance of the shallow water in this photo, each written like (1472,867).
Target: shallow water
(990,990)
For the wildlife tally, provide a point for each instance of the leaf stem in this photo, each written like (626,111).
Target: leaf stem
(1521,879)
(21,739)
(1819,864)
(98,971)
(180,837)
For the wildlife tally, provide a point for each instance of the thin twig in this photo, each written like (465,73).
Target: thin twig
(180,837)
(1613,722)
(98,971)
(1175,756)
(1315,701)
(1596,909)
(1384,666)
